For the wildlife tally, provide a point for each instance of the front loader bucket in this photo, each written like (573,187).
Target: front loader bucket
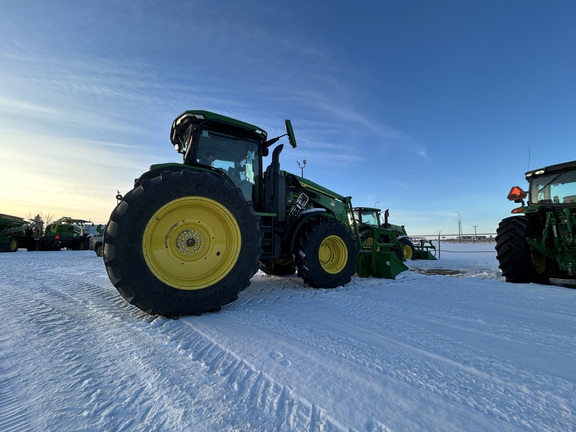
(387,265)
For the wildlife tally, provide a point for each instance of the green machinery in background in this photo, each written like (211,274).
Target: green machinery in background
(16,232)
(538,243)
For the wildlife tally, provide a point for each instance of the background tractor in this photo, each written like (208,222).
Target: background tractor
(397,236)
(64,233)
(189,236)
(538,244)
(16,232)
(368,216)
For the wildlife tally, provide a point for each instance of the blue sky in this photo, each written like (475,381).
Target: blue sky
(433,109)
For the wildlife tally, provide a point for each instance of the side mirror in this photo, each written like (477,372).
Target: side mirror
(290,133)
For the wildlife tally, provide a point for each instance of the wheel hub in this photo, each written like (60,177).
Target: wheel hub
(189,242)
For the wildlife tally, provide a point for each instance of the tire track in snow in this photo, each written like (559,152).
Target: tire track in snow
(179,362)
(14,415)
(412,355)
(187,377)
(282,408)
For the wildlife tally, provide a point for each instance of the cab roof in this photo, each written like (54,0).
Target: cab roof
(181,124)
(566,166)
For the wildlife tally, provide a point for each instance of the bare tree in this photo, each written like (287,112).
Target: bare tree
(48,218)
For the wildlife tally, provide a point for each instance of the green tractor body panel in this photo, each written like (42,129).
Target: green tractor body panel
(545,223)
(335,204)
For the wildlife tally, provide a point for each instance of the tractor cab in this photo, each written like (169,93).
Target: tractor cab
(553,185)
(216,142)
(367,216)
(232,147)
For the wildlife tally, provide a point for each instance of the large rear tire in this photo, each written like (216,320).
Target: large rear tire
(182,243)
(519,262)
(326,255)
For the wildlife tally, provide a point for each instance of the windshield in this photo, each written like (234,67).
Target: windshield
(234,155)
(367,217)
(556,188)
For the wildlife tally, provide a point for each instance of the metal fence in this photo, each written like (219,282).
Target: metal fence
(458,238)
(442,241)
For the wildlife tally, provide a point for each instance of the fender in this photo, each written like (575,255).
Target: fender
(303,217)
(156,170)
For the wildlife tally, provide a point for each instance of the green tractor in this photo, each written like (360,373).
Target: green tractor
(538,244)
(397,236)
(189,236)
(16,232)
(368,216)
(64,233)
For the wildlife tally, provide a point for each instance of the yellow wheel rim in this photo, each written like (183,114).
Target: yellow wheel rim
(333,254)
(407,252)
(191,243)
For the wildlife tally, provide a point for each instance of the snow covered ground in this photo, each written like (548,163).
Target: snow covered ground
(447,346)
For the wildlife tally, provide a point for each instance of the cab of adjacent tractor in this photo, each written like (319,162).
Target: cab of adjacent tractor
(544,226)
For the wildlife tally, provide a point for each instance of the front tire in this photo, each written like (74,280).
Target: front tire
(13,244)
(326,255)
(182,243)
(407,248)
(519,262)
